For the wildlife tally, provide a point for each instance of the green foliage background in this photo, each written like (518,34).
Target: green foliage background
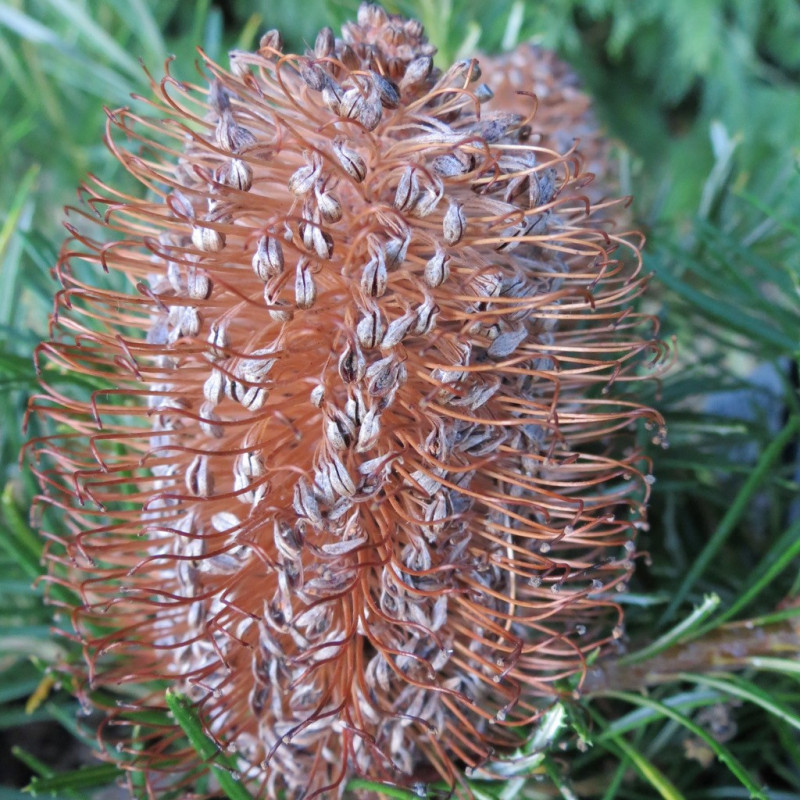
(703,97)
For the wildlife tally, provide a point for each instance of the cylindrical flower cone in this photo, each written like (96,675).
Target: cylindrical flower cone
(358,475)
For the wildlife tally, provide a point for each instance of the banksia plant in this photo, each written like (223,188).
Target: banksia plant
(358,474)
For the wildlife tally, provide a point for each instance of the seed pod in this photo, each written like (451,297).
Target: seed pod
(313,75)
(271,40)
(214,387)
(374,276)
(209,421)
(256,368)
(426,317)
(305,289)
(454,223)
(332,97)
(352,163)
(268,258)
(208,240)
(398,329)
(339,430)
(218,339)
(436,269)
(235,390)
(506,343)
(237,174)
(304,502)
(348,56)
(381,376)
(395,252)
(190,321)
(198,285)
(483,93)
(355,408)
(350,103)
(288,544)
(370,113)
(417,72)
(542,187)
(369,431)
(231,136)
(407,190)
(459,71)
(280,311)
(453,164)
(180,205)
(371,16)
(352,364)
(254,398)
(322,243)
(370,329)
(218,98)
(425,204)
(340,478)
(330,208)
(387,91)
(324,44)
(303,179)
(199,481)
(317,395)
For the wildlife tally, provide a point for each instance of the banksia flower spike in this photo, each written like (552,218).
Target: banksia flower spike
(358,474)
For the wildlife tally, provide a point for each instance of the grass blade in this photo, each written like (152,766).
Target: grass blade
(684,629)
(740,504)
(722,752)
(788,546)
(222,766)
(744,689)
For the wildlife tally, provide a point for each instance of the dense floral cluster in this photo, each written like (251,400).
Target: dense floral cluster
(357,472)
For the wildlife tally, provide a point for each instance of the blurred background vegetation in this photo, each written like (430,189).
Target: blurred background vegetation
(703,98)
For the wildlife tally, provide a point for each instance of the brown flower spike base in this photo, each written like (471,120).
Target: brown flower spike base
(358,474)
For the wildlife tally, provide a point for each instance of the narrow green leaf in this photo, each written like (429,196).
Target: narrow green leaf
(222,765)
(784,666)
(683,629)
(26,27)
(19,542)
(722,752)
(781,556)
(732,318)
(665,788)
(740,504)
(139,19)
(616,781)
(16,686)
(95,36)
(39,768)
(685,701)
(777,616)
(739,687)
(77,780)
(14,716)
(555,776)
(387,790)
(21,195)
